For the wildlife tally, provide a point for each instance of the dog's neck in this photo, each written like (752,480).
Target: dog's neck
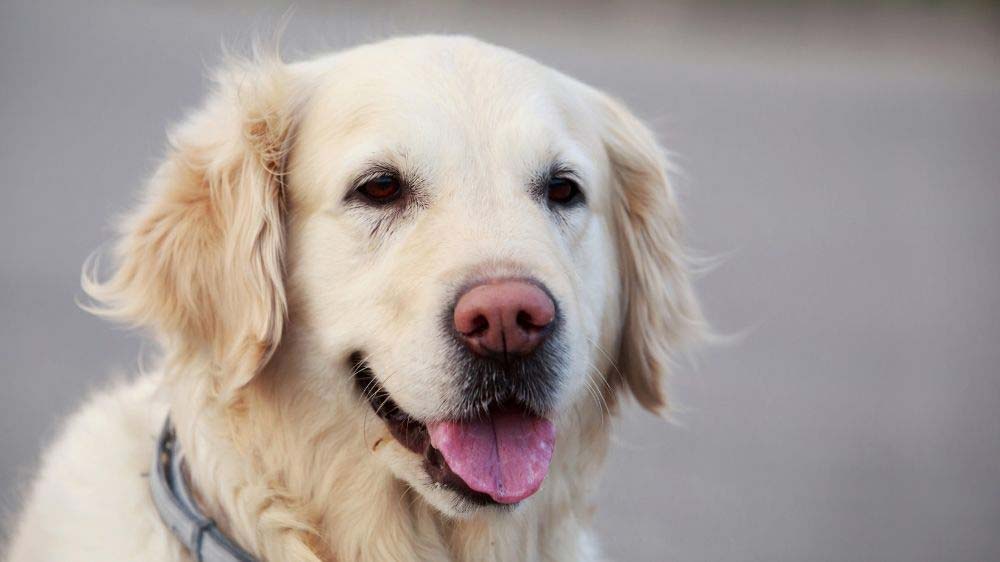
(291,483)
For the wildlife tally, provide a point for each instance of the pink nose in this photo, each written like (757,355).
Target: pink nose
(504,317)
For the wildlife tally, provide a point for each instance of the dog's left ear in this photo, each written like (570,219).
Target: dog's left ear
(201,261)
(661,313)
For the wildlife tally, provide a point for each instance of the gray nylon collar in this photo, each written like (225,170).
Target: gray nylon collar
(178,510)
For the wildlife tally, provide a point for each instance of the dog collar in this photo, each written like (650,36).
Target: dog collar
(173,499)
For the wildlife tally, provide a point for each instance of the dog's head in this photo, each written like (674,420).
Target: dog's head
(453,237)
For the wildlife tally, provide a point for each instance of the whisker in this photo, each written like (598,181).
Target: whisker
(611,360)
(595,391)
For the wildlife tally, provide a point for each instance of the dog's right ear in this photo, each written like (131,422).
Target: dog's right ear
(201,260)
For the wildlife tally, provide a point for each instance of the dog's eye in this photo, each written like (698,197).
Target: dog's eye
(563,190)
(381,189)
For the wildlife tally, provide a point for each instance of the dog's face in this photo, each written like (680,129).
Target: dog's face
(450,209)
(467,243)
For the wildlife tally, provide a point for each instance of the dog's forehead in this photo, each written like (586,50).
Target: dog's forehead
(440,98)
(447,75)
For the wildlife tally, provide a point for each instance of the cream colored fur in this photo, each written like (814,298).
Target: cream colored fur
(258,282)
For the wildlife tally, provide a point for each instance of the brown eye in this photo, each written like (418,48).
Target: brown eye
(563,191)
(381,189)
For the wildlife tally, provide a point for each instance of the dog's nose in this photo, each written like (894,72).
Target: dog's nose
(504,317)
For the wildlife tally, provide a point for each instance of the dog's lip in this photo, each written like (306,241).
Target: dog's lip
(409,431)
(413,434)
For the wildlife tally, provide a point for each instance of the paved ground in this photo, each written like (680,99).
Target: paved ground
(845,163)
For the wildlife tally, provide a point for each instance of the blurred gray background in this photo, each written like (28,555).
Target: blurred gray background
(844,159)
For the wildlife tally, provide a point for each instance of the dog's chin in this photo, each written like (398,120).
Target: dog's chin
(425,467)
(445,499)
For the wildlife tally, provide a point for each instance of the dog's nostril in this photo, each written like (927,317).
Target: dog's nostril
(527,323)
(479,326)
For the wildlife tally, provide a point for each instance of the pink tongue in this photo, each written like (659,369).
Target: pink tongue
(506,457)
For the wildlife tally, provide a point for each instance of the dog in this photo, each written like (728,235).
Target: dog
(398,291)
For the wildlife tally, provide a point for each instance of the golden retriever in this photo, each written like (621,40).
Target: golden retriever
(398,290)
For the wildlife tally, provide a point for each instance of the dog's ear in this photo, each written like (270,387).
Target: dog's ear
(660,311)
(201,260)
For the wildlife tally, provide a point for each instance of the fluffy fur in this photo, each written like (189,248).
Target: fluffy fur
(259,278)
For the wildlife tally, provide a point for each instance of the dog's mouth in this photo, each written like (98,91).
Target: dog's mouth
(499,458)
